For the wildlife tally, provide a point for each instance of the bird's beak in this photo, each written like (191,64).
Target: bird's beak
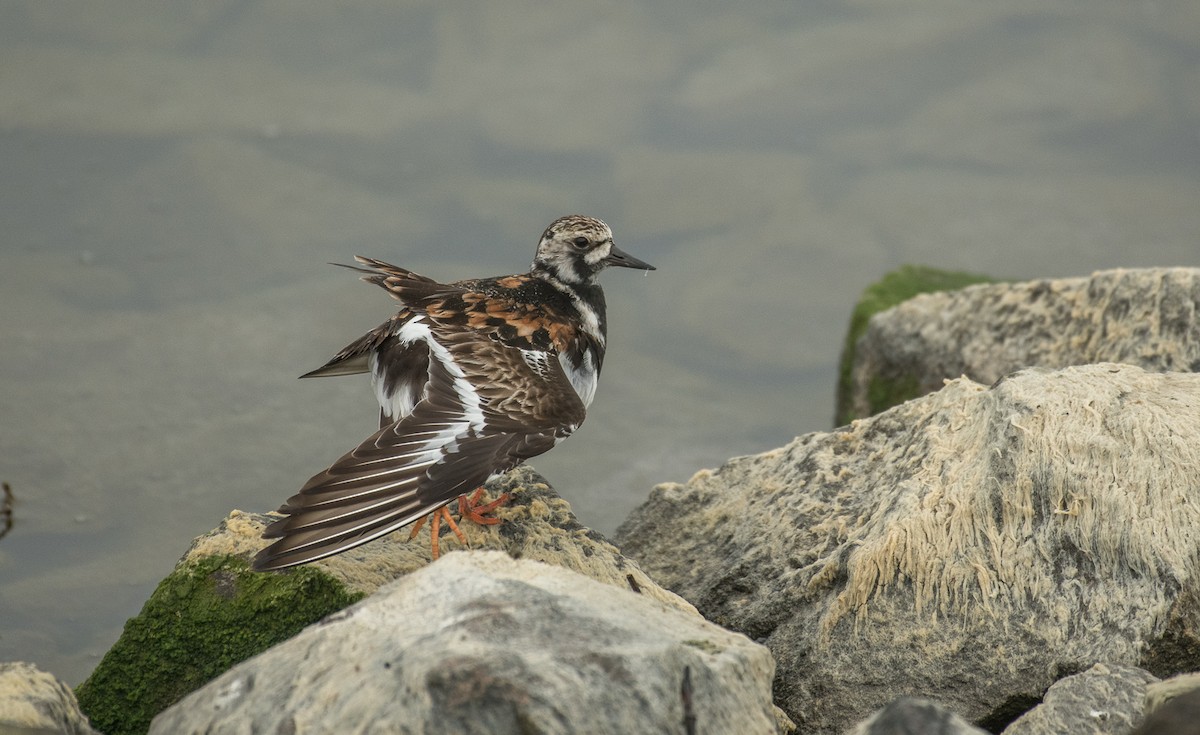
(617,256)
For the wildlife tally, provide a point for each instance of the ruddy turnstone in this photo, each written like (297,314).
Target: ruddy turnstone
(472,378)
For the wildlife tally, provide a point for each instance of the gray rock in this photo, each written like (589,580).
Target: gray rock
(1103,699)
(480,643)
(33,701)
(1172,708)
(1144,317)
(1160,693)
(910,715)
(969,545)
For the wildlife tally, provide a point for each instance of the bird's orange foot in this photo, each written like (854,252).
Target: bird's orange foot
(471,508)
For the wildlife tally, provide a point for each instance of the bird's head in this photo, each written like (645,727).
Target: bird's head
(575,248)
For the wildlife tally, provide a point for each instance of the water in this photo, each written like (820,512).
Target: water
(174,176)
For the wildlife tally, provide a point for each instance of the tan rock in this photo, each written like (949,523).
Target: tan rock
(968,546)
(538,524)
(33,701)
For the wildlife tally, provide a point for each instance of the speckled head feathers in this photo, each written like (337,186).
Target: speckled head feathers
(575,248)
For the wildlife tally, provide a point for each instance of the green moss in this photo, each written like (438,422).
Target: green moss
(704,645)
(883,393)
(895,287)
(201,620)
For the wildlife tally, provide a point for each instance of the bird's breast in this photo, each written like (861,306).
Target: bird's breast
(583,374)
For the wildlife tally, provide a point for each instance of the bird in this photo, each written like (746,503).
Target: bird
(472,378)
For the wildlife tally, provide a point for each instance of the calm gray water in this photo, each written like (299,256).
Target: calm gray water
(175,175)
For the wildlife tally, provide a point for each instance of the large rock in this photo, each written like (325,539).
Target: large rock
(212,611)
(481,643)
(537,524)
(973,546)
(33,701)
(1144,317)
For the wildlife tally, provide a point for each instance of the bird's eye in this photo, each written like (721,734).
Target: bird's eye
(580,242)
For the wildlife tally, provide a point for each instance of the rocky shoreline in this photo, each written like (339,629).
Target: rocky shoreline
(1011,549)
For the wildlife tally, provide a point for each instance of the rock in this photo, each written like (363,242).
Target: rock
(1103,699)
(204,617)
(1172,707)
(212,611)
(481,643)
(1160,693)
(972,545)
(908,715)
(538,524)
(1177,649)
(1144,317)
(33,701)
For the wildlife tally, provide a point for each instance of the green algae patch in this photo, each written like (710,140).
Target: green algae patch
(895,287)
(707,646)
(201,620)
(883,393)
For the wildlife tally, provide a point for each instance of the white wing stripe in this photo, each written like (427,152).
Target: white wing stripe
(417,329)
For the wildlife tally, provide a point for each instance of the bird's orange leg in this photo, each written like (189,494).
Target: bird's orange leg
(469,508)
(417,527)
(445,513)
(436,531)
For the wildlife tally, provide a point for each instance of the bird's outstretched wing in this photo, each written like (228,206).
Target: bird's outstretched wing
(487,407)
(354,358)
